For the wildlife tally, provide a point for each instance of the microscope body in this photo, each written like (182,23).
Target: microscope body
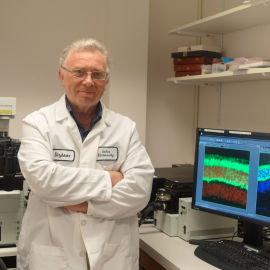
(12,195)
(13,188)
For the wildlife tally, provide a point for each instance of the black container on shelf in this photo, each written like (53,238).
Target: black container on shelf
(196,54)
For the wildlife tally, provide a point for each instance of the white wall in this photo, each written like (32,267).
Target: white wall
(170,107)
(128,39)
(34,33)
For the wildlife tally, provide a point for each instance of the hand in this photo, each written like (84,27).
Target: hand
(115,177)
(82,207)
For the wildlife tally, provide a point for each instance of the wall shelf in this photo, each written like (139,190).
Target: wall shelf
(225,77)
(248,15)
(244,16)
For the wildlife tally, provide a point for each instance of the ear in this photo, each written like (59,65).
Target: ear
(61,76)
(107,81)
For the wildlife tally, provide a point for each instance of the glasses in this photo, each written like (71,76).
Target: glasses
(82,74)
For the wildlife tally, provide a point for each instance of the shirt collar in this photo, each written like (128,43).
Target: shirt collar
(97,117)
(98,112)
(62,113)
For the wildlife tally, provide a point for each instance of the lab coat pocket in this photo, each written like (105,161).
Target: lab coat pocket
(45,258)
(117,255)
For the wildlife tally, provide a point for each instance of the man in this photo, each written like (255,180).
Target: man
(88,173)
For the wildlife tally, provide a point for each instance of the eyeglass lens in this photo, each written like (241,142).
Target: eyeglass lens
(96,75)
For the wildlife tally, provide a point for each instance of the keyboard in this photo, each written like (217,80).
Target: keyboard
(230,255)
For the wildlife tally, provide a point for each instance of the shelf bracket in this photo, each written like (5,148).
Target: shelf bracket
(218,88)
(219,39)
(266,74)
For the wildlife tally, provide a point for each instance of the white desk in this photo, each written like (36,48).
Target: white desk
(172,253)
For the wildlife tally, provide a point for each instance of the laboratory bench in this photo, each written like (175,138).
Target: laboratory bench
(159,251)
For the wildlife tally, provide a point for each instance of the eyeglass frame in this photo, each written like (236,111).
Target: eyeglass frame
(87,72)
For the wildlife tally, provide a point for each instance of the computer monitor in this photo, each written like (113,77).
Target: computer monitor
(232,178)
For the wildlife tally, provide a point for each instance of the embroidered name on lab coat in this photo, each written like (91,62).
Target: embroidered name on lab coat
(107,153)
(63,155)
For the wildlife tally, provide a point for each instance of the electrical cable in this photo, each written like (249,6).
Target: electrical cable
(150,207)
(234,235)
(156,205)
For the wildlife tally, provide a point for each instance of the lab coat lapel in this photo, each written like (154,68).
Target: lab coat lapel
(99,126)
(75,133)
(93,139)
(97,129)
(63,115)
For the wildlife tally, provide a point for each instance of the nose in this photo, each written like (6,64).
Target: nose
(88,79)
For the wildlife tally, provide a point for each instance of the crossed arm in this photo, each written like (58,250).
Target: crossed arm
(87,190)
(82,207)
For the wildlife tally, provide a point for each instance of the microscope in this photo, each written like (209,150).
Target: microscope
(13,188)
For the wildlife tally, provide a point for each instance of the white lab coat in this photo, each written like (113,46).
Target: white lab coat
(54,238)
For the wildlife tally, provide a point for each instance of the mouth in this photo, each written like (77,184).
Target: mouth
(88,92)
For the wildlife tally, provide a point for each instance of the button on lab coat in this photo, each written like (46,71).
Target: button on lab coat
(61,170)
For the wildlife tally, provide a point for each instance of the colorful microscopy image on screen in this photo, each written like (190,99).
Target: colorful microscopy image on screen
(263,189)
(225,176)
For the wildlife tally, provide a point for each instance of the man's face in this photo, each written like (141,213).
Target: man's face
(84,94)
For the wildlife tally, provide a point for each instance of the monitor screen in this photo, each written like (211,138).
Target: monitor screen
(232,175)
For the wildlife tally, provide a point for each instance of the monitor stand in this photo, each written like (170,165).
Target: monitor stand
(253,236)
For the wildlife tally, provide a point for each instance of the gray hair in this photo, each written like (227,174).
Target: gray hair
(86,44)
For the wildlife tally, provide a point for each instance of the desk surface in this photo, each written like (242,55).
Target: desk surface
(172,253)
